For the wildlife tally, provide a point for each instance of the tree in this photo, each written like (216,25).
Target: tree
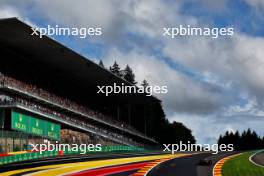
(145,84)
(181,133)
(220,140)
(129,75)
(236,140)
(248,140)
(116,69)
(101,63)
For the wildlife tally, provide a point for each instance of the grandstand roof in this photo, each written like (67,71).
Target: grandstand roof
(16,36)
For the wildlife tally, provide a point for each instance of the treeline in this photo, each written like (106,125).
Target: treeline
(174,132)
(247,140)
(159,127)
(126,73)
(166,132)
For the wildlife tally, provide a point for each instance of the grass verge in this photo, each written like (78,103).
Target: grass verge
(241,166)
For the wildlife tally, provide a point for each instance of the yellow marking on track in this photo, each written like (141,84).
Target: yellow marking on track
(217,171)
(143,171)
(62,169)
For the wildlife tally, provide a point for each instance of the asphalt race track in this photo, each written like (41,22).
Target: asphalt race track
(182,164)
(187,166)
(259,158)
(69,159)
(84,165)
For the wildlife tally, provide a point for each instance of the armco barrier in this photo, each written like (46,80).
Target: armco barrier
(26,156)
(37,155)
(121,148)
(109,149)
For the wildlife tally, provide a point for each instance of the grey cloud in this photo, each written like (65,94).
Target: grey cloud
(259,4)
(238,60)
(184,94)
(215,124)
(236,63)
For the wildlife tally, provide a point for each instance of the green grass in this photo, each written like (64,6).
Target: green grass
(241,166)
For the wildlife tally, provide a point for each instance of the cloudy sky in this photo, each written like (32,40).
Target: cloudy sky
(214,84)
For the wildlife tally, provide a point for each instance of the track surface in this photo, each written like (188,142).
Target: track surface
(259,158)
(187,166)
(91,168)
(112,170)
(70,159)
(115,165)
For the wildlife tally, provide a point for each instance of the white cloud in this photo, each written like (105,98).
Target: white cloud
(250,108)
(207,129)
(184,94)
(259,4)
(230,67)
(7,12)
(238,60)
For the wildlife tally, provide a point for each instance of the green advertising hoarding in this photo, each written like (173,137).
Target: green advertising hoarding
(35,126)
(53,130)
(20,122)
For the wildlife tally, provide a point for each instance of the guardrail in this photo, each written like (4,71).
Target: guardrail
(37,155)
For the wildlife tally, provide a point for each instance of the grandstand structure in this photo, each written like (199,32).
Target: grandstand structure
(48,91)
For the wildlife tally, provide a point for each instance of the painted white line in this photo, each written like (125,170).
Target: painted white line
(253,162)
